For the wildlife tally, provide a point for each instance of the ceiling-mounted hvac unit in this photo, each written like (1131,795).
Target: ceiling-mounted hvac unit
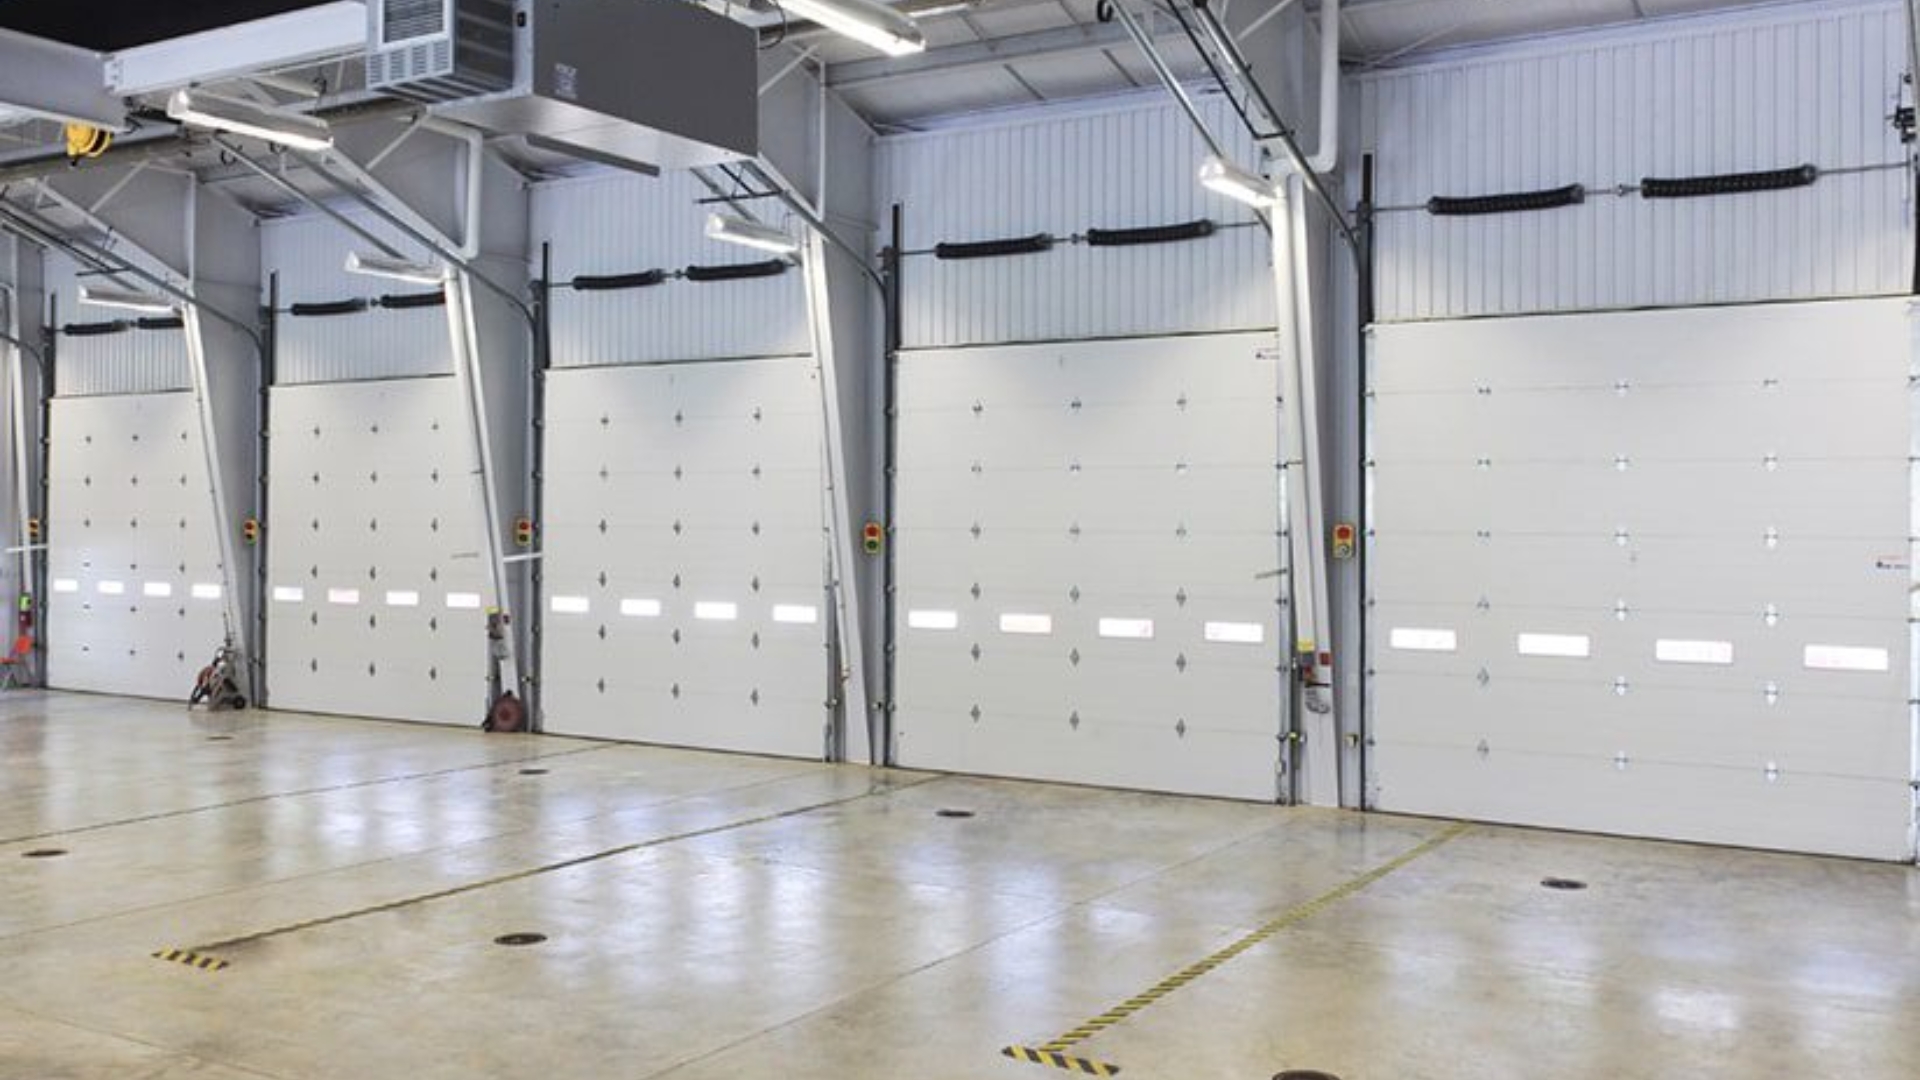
(661,83)
(440,50)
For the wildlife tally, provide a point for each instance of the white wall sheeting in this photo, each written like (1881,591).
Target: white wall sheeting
(310,254)
(133,362)
(1775,88)
(1118,167)
(621,224)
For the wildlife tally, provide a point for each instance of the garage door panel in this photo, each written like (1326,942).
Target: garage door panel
(1707,640)
(1077,513)
(1830,577)
(375,545)
(1743,808)
(1661,422)
(1674,723)
(121,522)
(1664,498)
(693,491)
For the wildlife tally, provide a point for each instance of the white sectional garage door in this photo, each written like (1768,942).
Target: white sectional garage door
(134,566)
(377,597)
(1087,535)
(1648,573)
(685,556)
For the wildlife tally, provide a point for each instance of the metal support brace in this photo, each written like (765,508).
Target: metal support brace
(22,471)
(1305,499)
(852,676)
(473,400)
(235,626)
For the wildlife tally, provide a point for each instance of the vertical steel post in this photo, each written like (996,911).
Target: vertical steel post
(217,492)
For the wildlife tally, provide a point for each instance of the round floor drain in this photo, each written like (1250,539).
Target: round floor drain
(1304,1074)
(953,813)
(44,853)
(533,772)
(519,939)
(1563,884)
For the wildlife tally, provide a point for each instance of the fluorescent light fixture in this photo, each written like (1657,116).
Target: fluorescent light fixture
(865,21)
(765,237)
(196,108)
(396,269)
(1223,176)
(126,300)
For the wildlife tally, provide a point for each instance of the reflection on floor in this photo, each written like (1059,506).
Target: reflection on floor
(710,916)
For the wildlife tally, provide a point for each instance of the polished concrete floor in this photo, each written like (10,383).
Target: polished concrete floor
(773,919)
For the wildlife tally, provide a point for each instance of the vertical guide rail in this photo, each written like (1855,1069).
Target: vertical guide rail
(17,427)
(535,696)
(846,592)
(890,474)
(262,561)
(466,372)
(1913,576)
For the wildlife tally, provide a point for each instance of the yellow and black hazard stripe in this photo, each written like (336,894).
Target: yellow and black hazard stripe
(1060,1061)
(1053,1052)
(191,959)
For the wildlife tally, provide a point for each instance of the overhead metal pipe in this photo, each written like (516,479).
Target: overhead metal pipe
(23,224)
(438,249)
(814,220)
(290,188)
(1302,164)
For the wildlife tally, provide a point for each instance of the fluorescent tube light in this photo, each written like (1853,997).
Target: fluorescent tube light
(1220,175)
(395,269)
(765,237)
(864,21)
(126,300)
(199,109)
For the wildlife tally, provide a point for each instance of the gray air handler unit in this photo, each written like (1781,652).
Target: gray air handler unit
(661,84)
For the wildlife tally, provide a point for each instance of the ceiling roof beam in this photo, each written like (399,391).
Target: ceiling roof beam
(984,54)
(57,81)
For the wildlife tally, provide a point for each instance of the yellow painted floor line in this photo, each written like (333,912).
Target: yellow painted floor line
(1054,1052)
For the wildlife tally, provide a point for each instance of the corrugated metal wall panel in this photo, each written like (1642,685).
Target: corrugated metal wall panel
(310,254)
(1778,88)
(133,362)
(621,224)
(1062,174)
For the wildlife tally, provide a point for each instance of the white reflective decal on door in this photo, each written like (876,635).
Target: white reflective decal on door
(343,596)
(289,594)
(1846,658)
(206,591)
(65,585)
(1016,623)
(572,605)
(933,619)
(403,598)
(716,610)
(1236,633)
(1131,629)
(796,614)
(463,601)
(1419,639)
(640,609)
(110,588)
(1672,651)
(156,589)
(1569,646)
